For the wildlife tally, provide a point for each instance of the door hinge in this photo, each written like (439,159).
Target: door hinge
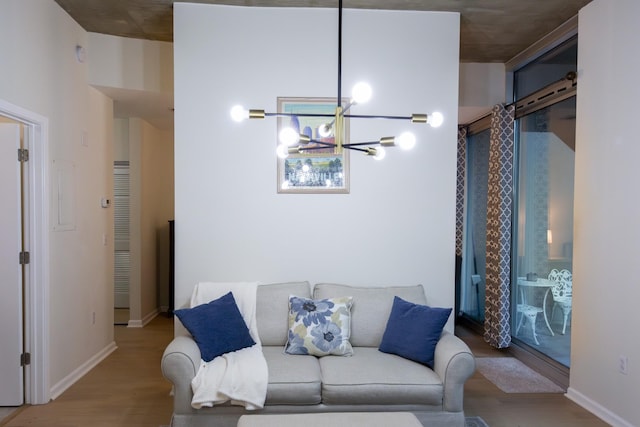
(25,257)
(23,154)
(25,359)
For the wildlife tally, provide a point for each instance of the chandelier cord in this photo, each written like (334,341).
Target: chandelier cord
(339,100)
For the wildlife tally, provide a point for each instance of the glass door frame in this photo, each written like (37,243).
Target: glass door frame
(548,96)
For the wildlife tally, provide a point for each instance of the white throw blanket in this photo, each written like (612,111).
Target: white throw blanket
(240,376)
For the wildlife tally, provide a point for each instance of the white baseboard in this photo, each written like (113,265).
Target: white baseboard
(597,409)
(81,371)
(141,323)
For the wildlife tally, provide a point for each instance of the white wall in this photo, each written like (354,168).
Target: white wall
(150,155)
(132,64)
(482,85)
(158,208)
(151,202)
(121,140)
(607,232)
(130,68)
(40,74)
(138,74)
(397,224)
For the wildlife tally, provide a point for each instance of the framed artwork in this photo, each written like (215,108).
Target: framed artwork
(319,170)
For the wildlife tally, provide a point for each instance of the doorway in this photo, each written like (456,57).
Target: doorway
(13,259)
(32,291)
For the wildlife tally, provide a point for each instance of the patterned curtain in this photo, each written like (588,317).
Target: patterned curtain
(460,193)
(460,187)
(497,330)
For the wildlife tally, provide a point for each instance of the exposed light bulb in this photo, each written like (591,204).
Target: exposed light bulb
(380,153)
(238,113)
(324,130)
(288,137)
(406,140)
(285,184)
(305,168)
(282,151)
(361,93)
(435,119)
(328,183)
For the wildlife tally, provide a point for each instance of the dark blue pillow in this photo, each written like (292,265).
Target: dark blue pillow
(217,327)
(413,330)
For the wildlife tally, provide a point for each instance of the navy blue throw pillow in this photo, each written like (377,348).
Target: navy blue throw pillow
(413,330)
(217,327)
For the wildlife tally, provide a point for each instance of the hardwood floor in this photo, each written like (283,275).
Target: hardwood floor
(500,409)
(128,390)
(125,390)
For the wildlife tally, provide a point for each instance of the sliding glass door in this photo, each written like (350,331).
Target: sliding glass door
(472,285)
(540,256)
(543,231)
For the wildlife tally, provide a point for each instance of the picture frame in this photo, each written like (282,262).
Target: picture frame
(319,171)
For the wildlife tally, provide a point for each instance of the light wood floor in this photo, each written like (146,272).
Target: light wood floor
(128,390)
(500,409)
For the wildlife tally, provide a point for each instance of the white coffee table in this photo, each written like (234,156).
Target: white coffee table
(333,419)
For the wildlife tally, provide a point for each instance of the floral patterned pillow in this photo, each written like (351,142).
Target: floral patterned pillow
(319,327)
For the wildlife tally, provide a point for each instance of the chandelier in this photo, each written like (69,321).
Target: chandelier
(291,141)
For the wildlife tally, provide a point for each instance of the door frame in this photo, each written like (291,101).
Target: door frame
(36,290)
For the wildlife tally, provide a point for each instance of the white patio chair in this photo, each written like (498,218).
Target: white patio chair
(562,293)
(530,313)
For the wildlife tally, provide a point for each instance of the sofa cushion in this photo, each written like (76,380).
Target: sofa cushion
(319,327)
(370,377)
(293,380)
(413,330)
(371,308)
(272,306)
(217,327)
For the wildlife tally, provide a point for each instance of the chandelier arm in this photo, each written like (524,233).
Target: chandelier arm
(356,149)
(355,144)
(312,148)
(364,116)
(346,108)
(323,143)
(323,148)
(298,115)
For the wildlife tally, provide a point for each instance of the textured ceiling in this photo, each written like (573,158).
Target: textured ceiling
(490,30)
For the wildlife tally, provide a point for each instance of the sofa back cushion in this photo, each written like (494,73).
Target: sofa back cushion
(371,307)
(272,310)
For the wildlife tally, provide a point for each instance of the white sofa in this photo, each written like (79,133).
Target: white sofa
(367,381)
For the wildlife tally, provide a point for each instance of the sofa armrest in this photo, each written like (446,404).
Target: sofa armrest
(454,363)
(180,363)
